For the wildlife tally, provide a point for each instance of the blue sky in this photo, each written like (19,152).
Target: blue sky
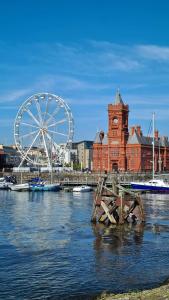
(84,51)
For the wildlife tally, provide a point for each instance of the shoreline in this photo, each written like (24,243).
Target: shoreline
(159,293)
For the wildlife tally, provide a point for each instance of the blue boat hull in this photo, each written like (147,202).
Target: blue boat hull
(149,188)
(53,188)
(37,184)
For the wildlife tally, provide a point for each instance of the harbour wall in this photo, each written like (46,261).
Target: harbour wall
(78,178)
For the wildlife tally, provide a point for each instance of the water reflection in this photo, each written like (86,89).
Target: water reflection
(49,248)
(114,237)
(135,253)
(34,217)
(157,209)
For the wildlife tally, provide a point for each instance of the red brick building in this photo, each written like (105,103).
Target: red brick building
(124,150)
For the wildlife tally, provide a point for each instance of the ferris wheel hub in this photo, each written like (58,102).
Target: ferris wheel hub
(43,130)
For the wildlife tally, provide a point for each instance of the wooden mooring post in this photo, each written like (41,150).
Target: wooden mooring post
(116,205)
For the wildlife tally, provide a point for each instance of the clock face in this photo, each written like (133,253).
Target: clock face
(115,120)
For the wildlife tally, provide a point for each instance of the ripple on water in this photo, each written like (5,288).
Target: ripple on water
(49,249)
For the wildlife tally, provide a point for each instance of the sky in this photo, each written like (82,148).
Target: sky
(83,51)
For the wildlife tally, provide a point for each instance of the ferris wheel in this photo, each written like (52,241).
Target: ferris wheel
(43,123)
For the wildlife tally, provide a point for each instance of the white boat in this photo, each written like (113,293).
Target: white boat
(20,187)
(157,185)
(36,184)
(5,183)
(82,188)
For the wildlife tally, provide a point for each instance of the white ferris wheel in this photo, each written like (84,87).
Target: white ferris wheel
(43,126)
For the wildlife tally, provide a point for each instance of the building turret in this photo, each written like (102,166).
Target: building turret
(118,98)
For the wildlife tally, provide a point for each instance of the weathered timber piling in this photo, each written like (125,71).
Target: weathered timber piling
(116,205)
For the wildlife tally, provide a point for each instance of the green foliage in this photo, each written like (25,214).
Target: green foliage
(76,166)
(68,165)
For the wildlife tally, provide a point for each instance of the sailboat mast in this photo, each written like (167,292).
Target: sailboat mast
(159,156)
(153,143)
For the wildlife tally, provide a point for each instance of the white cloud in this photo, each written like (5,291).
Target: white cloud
(90,58)
(14,95)
(152,100)
(146,114)
(88,74)
(153,52)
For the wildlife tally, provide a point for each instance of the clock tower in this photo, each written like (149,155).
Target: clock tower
(117,134)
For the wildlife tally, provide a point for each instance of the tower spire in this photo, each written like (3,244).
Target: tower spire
(118,98)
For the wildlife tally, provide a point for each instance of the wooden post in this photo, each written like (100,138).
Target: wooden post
(110,206)
(141,208)
(121,219)
(110,216)
(114,184)
(99,189)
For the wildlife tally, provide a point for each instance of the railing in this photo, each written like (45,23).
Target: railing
(75,178)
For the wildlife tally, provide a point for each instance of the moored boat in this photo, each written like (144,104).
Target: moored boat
(20,187)
(153,185)
(6,182)
(37,184)
(45,187)
(82,188)
(5,185)
(157,185)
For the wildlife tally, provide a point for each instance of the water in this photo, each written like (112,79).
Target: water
(50,250)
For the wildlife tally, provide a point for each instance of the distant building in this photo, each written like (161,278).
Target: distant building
(84,153)
(9,157)
(121,150)
(68,155)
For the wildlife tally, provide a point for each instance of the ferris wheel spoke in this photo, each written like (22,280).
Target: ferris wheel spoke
(46,110)
(56,132)
(28,134)
(46,149)
(56,147)
(27,124)
(33,117)
(58,122)
(52,115)
(52,140)
(26,154)
(39,111)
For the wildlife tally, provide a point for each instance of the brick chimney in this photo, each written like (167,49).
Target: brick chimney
(132,129)
(101,135)
(138,129)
